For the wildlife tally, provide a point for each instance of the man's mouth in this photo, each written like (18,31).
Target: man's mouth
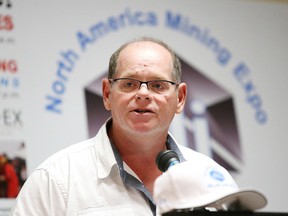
(141,111)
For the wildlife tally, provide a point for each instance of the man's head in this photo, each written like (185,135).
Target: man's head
(138,105)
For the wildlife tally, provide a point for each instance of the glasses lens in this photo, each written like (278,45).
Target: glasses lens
(127,85)
(160,86)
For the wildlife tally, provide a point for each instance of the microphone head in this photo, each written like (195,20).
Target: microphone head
(165,159)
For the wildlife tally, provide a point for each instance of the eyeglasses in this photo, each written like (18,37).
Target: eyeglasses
(128,85)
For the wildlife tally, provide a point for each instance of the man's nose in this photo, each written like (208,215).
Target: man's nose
(144,85)
(143,92)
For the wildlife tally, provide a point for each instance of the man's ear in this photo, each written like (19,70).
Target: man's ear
(106,93)
(182,95)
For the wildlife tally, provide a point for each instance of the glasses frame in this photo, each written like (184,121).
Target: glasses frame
(144,82)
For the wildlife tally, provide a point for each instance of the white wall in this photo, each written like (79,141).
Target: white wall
(255,33)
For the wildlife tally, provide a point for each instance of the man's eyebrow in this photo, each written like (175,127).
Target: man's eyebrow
(135,75)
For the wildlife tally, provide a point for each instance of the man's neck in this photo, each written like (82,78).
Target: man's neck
(140,154)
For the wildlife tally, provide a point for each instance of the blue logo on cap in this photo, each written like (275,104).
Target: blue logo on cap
(215,174)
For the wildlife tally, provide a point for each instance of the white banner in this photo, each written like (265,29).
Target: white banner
(53,55)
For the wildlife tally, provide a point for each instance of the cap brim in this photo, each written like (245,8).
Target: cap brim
(248,200)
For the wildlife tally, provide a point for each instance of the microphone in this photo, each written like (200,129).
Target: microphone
(166,159)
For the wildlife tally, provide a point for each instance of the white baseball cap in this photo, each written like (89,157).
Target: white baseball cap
(189,185)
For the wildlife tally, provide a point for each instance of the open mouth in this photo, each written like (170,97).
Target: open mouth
(142,111)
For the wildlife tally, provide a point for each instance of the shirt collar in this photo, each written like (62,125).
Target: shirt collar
(104,152)
(171,145)
(108,156)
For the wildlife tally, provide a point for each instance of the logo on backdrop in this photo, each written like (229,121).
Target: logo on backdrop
(203,119)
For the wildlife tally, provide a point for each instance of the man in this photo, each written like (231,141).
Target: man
(114,172)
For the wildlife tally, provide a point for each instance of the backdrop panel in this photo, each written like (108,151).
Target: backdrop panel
(54,54)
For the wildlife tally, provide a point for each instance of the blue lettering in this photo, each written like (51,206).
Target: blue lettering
(58,87)
(65,67)
(152,19)
(84,40)
(173,21)
(99,30)
(54,102)
(114,23)
(140,18)
(180,23)
(241,73)
(255,101)
(261,116)
(15,83)
(223,56)
(70,57)
(4,82)
(9,82)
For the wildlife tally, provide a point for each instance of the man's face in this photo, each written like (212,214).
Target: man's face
(142,111)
